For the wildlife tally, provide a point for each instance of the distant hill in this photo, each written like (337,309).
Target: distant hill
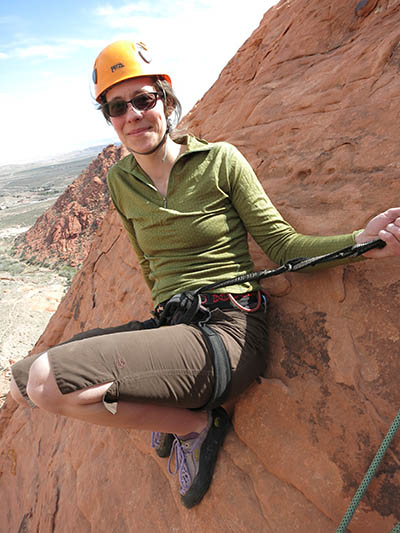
(64,232)
(91,151)
(27,190)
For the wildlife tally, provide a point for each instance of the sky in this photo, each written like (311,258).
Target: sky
(48,48)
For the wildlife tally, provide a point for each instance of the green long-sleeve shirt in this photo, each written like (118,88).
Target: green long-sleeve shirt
(197,234)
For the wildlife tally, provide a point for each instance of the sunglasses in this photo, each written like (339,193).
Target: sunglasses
(140,102)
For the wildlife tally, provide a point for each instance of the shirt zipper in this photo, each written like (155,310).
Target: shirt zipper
(169,177)
(164,198)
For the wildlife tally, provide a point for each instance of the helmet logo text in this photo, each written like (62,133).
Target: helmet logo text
(117,66)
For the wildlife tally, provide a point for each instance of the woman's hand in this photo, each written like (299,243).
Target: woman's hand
(385,226)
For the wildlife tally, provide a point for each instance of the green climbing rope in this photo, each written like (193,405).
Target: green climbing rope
(396,529)
(369,476)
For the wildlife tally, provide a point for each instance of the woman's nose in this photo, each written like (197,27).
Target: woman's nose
(131,112)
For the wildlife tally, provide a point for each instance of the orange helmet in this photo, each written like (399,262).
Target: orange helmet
(121,61)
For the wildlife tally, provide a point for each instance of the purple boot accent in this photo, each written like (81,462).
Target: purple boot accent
(195,458)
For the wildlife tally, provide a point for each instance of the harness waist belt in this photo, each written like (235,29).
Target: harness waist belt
(248,300)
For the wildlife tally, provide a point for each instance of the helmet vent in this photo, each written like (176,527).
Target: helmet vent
(143,52)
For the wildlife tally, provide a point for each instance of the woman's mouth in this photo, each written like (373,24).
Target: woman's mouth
(137,131)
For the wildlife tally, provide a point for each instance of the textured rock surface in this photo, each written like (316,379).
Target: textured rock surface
(312,99)
(64,232)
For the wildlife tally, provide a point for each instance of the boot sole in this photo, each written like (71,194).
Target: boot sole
(208,458)
(164,449)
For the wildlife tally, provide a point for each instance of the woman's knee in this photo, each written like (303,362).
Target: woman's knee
(16,393)
(42,388)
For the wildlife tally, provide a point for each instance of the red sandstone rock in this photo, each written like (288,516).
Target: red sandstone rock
(312,101)
(66,230)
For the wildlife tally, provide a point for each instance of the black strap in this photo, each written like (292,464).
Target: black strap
(294,265)
(186,308)
(133,325)
(221,364)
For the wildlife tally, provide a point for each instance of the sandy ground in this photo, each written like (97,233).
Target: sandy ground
(27,302)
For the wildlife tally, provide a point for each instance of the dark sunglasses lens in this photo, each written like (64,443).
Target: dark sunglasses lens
(145,101)
(116,108)
(141,102)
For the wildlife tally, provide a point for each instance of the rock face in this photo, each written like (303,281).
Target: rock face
(64,233)
(312,100)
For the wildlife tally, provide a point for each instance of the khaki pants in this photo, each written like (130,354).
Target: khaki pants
(166,366)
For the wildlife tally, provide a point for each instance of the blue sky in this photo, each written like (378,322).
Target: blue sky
(47,50)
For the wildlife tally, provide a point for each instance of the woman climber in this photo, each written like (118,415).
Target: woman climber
(187,206)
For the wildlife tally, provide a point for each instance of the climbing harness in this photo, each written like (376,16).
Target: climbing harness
(188,308)
(193,307)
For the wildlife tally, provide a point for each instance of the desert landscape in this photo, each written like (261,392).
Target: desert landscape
(30,292)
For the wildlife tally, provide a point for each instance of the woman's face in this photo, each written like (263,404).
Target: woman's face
(140,131)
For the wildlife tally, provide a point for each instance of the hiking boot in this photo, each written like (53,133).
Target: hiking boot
(162,443)
(196,455)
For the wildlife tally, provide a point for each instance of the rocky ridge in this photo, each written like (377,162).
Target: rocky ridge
(64,232)
(311,99)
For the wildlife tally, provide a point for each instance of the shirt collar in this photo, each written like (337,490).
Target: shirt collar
(129,163)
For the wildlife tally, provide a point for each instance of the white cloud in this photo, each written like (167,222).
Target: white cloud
(171,20)
(161,8)
(140,7)
(9,20)
(43,50)
(59,117)
(54,49)
(3,56)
